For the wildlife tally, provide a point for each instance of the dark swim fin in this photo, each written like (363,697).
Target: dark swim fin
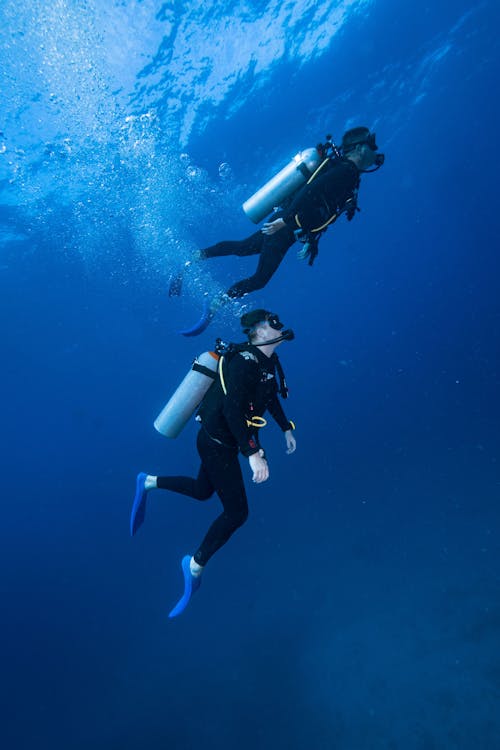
(176,279)
(175,284)
(191,585)
(139,507)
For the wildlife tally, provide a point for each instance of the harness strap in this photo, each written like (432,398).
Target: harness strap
(332,218)
(339,211)
(221,375)
(315,173)
(283,389)
(305,171)
(204,370)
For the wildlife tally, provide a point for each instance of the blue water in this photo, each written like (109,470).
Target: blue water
(358,609)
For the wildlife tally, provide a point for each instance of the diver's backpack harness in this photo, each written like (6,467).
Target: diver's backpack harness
(206,368)
(226,352)
(310,239)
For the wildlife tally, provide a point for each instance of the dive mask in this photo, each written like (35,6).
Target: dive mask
(371,142)
(274,321)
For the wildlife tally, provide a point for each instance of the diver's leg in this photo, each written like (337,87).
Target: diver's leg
(249,246)
(273,251)
(224,471)
(200,488)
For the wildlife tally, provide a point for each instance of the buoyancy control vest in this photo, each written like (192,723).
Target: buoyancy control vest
(301,170)
(206,368)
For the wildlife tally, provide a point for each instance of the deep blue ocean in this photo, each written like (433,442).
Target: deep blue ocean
(358,608)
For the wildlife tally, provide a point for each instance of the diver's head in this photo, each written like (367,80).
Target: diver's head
(359,145)
(264,328)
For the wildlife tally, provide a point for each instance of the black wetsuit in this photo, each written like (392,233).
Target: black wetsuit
(310,208)
(251,390)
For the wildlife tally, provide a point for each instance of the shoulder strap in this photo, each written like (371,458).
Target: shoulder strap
(350,205)
(204,370)
(237,349)
(283,388)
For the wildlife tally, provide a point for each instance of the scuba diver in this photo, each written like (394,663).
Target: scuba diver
(332,179)
(231,415)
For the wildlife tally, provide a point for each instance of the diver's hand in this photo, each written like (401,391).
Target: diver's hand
(308,251)
(258,465)
(303,253)
(271,227)
(291,443)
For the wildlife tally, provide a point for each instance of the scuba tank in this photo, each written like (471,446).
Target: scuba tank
(188,396)
(281,186)
(181,406)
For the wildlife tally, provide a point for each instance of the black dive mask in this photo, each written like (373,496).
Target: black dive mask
(276,324)
(372,144)
(274,321)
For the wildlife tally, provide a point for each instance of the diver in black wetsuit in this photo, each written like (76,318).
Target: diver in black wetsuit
(230,415)
(307,216)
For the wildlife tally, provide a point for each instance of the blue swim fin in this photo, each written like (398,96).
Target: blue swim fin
(202,324)
(208,314)
(139,507)
(191,585)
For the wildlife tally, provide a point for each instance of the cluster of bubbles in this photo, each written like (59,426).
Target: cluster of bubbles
(94,173)
(225,171)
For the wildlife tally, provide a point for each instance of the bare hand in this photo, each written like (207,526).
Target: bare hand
(271,227)
(291,443)
(258,465)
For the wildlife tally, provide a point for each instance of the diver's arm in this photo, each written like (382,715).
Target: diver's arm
(276,411)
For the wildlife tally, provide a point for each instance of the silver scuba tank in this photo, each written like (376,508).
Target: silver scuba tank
(188,396)
(281,186)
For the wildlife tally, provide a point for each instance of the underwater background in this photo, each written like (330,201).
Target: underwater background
(359,606)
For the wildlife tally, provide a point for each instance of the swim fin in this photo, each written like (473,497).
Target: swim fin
(191,585)
(139,507)
(175,283)
(202,324)
(209,311)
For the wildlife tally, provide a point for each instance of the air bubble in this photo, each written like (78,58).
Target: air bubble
(225,171)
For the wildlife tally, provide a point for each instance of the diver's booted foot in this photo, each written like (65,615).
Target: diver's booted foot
(176,279)
(139,506)
(175,283)
(191,584)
